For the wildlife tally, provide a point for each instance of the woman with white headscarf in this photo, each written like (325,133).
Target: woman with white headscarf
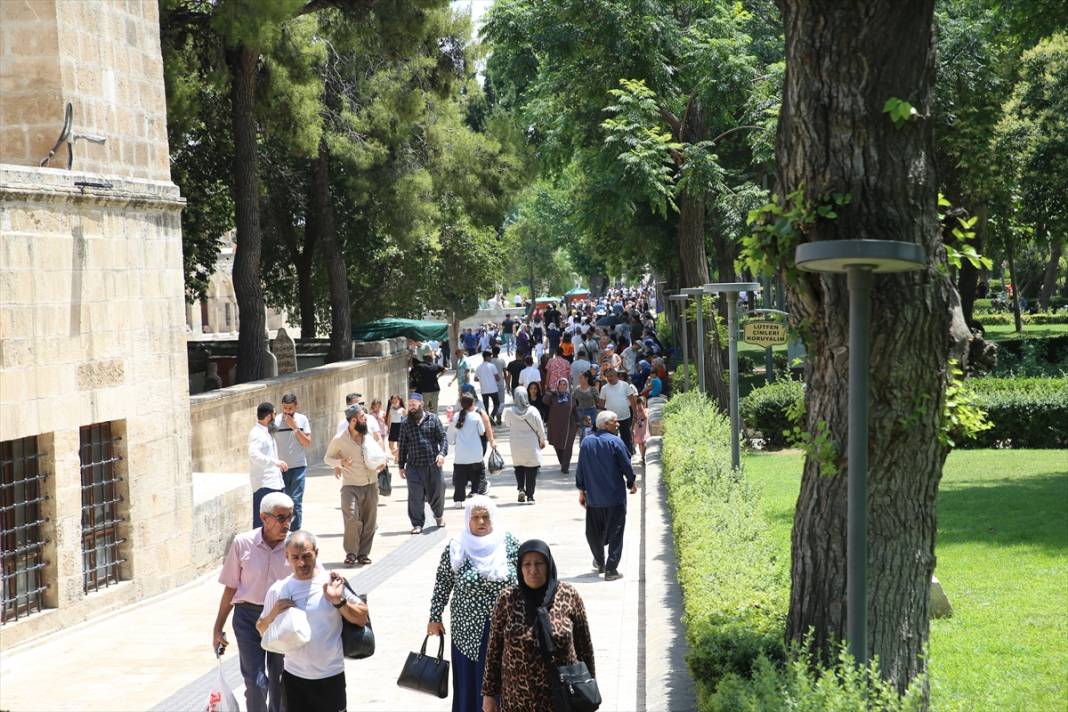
(475,568)
(528,439)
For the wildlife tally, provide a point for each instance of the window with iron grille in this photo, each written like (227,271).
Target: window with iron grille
(21,528)
(101,498)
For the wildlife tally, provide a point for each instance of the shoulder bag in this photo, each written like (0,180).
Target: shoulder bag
(574,688)
(425,673)
(358,641)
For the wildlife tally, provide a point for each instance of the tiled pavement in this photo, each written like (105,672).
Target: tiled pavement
(156,655)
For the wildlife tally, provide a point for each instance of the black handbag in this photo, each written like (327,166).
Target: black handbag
(357,641)
(574,689)
(385,482)
(425,673)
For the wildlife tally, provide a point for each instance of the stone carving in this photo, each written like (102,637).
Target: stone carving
(100,374)
(285,350)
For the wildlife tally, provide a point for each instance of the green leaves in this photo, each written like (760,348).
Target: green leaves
(900,111)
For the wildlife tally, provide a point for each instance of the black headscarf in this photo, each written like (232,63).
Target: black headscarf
(538,601)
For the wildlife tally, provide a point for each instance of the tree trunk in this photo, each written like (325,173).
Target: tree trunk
(693,265)
(968,280)
(1049,279)
(1010,253)
(340,348)
(241,63)
(305,292)
(844,60)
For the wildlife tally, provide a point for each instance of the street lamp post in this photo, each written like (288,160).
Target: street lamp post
(859,259)
(698,293)
(681,300)
(730,290)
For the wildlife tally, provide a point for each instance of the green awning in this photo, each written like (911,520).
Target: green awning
(576,292)
(390,328)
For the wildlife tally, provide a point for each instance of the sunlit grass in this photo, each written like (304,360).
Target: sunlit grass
(1003,560)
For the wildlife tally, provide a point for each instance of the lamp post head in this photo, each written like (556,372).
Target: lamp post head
(879,256)
(731,287)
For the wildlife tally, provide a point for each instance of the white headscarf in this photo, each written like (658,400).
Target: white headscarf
(488,554)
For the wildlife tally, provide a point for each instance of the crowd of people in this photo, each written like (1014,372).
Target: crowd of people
(580,375)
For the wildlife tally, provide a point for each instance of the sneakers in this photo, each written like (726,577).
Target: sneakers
(599,568)
(458,505)
(440,521)
(612,575)
(417,530)
(522,497)
(530,499)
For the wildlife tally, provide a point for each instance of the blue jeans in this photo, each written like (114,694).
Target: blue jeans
(294,479)
(257,497)
(261,670)
(509,343)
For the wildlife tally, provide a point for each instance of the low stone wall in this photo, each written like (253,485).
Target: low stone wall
(222,507)
(221,419)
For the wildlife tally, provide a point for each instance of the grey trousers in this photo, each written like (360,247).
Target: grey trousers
(425,484)
(359,511)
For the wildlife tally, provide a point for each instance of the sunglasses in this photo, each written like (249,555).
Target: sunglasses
(280,519)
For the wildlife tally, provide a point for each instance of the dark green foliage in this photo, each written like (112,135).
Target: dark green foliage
(765,409)
(1032,357)
(1023,412)
(1040,319)
(734,584)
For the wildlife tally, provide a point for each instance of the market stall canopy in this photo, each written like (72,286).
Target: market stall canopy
(547,300)
(577,292)
(390,328)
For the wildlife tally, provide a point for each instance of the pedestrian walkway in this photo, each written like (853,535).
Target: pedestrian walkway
(157,655)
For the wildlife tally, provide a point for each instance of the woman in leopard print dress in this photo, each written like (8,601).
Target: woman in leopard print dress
(517,673)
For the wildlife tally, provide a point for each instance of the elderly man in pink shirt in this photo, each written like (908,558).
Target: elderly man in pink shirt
(255,561)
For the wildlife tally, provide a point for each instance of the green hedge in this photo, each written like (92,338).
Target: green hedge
(986,306)
(735,586)
(1044,356)
(1024,412)
(764,409)
(1007,319)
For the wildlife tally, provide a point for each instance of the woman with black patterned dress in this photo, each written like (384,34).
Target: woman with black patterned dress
(475,568)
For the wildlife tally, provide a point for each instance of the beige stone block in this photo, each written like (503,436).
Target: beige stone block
(16,353)
(37,39)
(16,288)
(14,143)
(16,251)
(36,11)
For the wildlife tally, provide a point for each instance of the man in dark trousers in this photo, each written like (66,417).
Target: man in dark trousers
(421,449)
(424,378)
(603,476)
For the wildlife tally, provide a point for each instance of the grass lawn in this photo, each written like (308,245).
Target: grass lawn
(1008,331)
(1002,558)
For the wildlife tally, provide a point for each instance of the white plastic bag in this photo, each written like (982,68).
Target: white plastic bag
(289,631)
(221,698)
(373,454)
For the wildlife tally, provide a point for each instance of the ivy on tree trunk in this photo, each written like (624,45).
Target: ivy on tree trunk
(844,60)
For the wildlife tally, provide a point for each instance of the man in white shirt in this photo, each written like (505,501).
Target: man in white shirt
(581,364)
(501,370)
(530,374)
(292,434)
(265,468)
(489,382)
(621,398)
(314,674)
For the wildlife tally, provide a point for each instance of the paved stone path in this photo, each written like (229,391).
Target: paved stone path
(156,655)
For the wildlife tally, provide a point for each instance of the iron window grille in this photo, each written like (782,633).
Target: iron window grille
(21,519)
(101,559)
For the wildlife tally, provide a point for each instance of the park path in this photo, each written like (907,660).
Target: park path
(156,655)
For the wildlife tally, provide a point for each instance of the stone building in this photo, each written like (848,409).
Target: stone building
(95,475)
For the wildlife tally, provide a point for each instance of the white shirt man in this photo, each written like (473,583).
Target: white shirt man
(529,375)
(488,377)
(265,468)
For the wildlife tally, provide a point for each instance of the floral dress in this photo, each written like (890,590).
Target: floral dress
(473,598)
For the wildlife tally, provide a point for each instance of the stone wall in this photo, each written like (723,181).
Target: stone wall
(221,419)
(92,330)
(101,56)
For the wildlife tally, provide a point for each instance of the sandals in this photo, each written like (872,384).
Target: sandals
(363,560)
(350,560)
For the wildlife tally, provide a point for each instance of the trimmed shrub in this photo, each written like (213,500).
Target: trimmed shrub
(1024,412)
(1007,319)
(735,587)
(764,410)
(1044,356)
